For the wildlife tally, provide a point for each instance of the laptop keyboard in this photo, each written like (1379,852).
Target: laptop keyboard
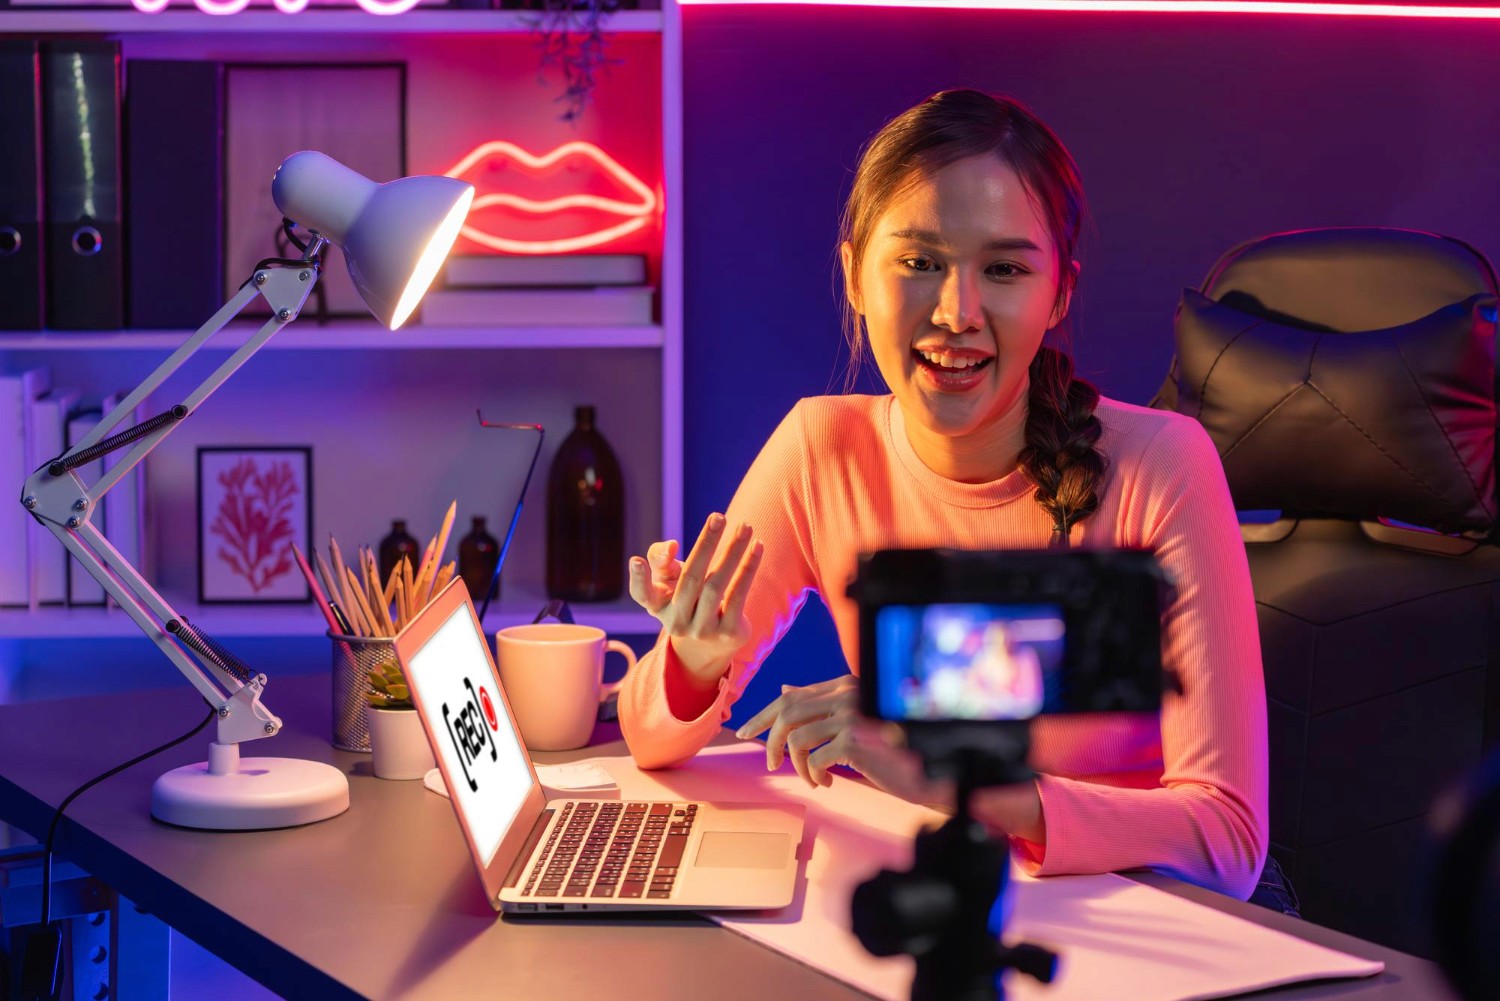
(612,849)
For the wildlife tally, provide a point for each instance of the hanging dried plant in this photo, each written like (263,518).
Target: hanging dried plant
(572,38)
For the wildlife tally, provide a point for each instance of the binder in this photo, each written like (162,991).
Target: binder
(20,186)
(85,255)
(125,507)
(174,116)
(17,527)
(47,432)
(83,589)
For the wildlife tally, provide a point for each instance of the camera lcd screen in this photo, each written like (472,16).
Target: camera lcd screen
(968,661)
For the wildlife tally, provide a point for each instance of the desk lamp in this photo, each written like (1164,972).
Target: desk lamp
(394,237)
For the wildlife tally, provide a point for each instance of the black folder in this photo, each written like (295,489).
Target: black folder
(20,186)
(85,262)
(174,117)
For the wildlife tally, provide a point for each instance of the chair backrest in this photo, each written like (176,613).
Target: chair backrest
(1316,360)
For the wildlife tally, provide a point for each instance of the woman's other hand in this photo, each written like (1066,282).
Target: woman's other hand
(700,602)
(820,726)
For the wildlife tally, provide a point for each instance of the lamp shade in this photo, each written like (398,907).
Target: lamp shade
(394,236)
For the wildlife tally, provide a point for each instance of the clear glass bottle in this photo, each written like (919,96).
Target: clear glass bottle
(585,517)
(396,546)
(478,552)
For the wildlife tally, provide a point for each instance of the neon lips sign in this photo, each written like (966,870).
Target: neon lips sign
(632,211)
(285,6)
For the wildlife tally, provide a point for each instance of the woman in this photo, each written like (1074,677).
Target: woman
(958,257)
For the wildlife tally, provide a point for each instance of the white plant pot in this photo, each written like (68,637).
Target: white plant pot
(398,744)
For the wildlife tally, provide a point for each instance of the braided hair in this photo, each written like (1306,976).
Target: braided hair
(1062,431)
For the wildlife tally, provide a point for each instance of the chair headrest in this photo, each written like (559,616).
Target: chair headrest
(1349,279)
(1348,373)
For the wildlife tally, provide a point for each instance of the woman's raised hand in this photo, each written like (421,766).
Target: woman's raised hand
(700,602)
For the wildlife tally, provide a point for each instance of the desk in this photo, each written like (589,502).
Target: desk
(383,901)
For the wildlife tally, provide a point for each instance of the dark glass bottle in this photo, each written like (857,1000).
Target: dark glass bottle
(478,552)
(585,517)
(399,544)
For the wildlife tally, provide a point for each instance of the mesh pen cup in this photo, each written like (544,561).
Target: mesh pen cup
(354,657)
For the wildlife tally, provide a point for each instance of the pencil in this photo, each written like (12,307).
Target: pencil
(345,627)
(317,592)
(335,593)
(425,570)
(408,590)
(362,605)
(376,592)
(340,570)
(443,577)
(442,537)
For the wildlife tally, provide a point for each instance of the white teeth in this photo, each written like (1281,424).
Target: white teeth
(946,361)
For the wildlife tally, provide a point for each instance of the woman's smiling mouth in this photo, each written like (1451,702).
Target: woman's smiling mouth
(952,372)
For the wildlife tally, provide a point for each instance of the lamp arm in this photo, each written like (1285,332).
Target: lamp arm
(58,498)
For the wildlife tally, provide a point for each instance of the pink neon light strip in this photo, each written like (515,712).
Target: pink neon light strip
(285,6)
(1145,7)
(636,213)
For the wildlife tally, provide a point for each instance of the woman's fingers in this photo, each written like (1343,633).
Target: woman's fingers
(716,585)
(817,745)
(662,557)
(695,569)
(642,589)
(739,585)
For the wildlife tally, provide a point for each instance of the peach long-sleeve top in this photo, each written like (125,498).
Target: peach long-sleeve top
(1184,793)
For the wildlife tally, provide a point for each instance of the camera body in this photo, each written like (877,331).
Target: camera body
(963,648)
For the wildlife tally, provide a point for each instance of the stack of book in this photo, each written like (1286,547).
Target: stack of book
(495,290)
(37,423)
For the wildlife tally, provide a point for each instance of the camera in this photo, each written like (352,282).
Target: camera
(963,649)
(955,641)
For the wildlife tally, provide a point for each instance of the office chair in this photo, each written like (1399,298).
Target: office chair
(1347,377)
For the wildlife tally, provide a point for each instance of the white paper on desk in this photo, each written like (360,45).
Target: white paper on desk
(1118,939)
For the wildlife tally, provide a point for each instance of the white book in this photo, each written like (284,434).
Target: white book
(48,434)
(83,589)
(125,511)
(17,528)
(624,306)
(488,270)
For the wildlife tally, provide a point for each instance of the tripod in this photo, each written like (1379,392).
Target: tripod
(948,911)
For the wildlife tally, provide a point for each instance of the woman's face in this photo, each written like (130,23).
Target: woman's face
(958,284)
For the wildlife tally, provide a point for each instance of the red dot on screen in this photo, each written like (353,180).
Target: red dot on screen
(489,708)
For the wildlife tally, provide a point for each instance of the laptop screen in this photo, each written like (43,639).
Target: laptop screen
(482,753)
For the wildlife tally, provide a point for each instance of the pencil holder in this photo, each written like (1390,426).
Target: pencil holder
(354,657)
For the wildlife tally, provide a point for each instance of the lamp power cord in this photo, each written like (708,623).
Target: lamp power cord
(42,962)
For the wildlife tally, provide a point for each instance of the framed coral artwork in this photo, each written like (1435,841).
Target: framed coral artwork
(253,503)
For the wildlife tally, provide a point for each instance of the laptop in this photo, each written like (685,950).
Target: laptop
(540,855)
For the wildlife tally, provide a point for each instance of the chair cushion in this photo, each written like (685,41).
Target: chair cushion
(1396,423)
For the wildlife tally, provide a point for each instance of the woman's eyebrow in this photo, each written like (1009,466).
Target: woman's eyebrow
(929,237)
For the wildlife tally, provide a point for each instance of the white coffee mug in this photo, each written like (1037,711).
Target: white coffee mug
(553,673)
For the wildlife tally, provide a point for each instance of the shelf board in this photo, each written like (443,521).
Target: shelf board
(349,335)
(623,617)
(432,21)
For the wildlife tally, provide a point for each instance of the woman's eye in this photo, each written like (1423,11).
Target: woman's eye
(922,264)
(1005,271)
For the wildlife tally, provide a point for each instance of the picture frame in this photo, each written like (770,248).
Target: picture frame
(253,503)
(354,112)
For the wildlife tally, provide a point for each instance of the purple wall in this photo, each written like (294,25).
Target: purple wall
(1193,132)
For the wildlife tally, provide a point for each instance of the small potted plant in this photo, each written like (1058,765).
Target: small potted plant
(398,744)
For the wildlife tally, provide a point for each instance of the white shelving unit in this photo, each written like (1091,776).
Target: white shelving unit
(374,404)
(614,617)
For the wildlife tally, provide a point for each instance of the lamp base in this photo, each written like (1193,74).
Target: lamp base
(226,793)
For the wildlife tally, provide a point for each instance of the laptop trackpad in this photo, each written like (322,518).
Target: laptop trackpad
(733,850)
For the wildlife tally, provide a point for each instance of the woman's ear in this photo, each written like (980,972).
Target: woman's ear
(1070,282)
(851,291)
